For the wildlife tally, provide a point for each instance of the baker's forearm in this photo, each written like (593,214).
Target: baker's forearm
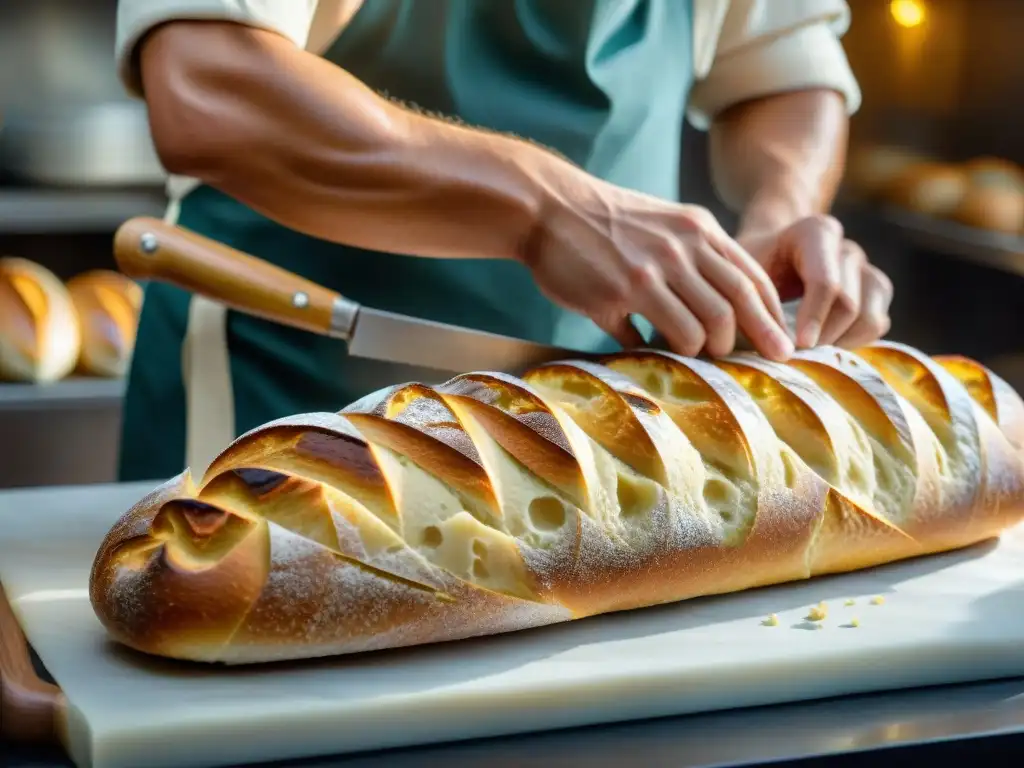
(779,159)
(311,147)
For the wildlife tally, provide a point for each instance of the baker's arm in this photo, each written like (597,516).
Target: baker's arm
(778,159)
(243,107)
(304,142)
(777,100)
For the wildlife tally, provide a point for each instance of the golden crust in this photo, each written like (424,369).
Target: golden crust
(40,337)
(927,187)
(493,503)
(107,305)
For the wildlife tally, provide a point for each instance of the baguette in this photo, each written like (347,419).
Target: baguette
(40,338)
(107,304)
(492,503)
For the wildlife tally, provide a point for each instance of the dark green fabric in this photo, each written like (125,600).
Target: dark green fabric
(604,82)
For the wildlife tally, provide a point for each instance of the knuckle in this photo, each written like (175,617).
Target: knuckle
(697,220)
(881,280)
(855,253)
(829,223)
(722,318)
(828,287)
(643,275)
(848,301)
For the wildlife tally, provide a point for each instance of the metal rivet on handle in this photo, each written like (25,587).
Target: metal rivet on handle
(148,242)
(300,300)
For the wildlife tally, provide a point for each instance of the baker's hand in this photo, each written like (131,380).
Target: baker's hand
(610,253)
(845,299)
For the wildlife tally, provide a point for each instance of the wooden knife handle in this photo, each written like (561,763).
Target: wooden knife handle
(31,710)
(149,249)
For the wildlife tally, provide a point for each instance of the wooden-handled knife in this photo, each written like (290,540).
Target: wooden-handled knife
(149,249)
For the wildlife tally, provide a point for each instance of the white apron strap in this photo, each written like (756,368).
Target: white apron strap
(206,370)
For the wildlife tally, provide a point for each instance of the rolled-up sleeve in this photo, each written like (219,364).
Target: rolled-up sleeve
(290,18)
(774,46)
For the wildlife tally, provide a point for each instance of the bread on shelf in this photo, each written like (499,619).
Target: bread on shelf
(493,503)
(930,188)
(872,168)
(39,333)
(994,171)
(107,304)
(994,198)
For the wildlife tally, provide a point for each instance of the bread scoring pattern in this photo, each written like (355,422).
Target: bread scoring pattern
(492,503)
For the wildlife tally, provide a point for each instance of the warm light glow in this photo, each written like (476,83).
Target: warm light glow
(907,13)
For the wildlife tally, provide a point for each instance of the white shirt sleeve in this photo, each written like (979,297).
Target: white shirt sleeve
(290,18)
(774,46)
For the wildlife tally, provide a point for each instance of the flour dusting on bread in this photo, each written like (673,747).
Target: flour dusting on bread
(493,503)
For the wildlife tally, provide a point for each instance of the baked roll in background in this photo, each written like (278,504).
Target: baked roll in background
(930,188)
(994,197)
(872,168)
(39,334)
(107,304)
(492,503)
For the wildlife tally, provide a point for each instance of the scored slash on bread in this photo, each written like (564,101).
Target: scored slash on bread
(40,337)
(107,304)
(492,503)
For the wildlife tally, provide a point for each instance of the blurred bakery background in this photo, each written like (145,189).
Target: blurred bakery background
(934,192)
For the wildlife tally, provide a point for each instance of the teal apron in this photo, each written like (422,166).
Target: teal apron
(604,82)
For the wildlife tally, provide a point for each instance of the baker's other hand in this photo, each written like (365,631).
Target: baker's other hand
(609,253)
(845,299)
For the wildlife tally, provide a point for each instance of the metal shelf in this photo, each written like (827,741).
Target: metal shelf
(73,393)
(31,211)
(992,249)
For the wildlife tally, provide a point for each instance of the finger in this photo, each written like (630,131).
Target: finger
(747,307)
(712,310)
(757,275)
(817,262)
(738,255)
(623,331)
(846,308)
(874,321)
(670,317)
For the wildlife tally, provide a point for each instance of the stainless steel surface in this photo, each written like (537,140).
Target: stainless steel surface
(67,117)
(80,144)
(381,335)
(742,737)
(60,434)
(58,211)
(69,393)
(990,249)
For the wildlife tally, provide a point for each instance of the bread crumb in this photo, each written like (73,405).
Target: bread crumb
(818,612)
(851,601)
(877,600)
(771,621)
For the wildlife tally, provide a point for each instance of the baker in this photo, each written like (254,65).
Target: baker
(510,165)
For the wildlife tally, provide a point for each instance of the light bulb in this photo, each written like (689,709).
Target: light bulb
(907,13)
